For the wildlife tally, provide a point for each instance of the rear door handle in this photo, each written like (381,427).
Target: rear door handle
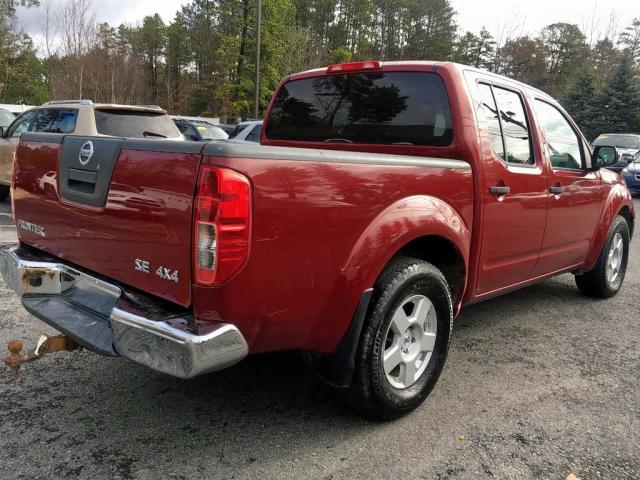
(557,190)
(499,190)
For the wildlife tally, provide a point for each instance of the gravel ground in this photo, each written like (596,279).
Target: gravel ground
(541,383)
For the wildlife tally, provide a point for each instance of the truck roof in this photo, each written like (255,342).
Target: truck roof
(420,65)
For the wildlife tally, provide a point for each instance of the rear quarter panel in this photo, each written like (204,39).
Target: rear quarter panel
(322,232)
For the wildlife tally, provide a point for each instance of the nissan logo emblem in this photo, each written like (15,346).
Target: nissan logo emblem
(86,152)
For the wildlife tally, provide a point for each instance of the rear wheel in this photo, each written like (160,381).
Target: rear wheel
(605,279)
(4,192)
(405,340)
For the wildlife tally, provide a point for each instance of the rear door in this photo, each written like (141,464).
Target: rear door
(575,194)
(120,208)
(513,187)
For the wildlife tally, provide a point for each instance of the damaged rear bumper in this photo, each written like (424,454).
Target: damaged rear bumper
(107,320)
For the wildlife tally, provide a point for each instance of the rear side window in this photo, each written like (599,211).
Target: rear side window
(515,127)
(54,120)
(135,124)
(395,108)
(493,120)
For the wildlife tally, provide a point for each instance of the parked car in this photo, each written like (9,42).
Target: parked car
(82,117)
(357,230)
(631,175)
(247,132)
(16,109)
(227,128)
(6,118)
(628,146)
(199,131)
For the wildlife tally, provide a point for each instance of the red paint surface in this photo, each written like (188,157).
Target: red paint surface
(323,232)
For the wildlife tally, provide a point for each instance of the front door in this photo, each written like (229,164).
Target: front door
(514,188)
(575,194)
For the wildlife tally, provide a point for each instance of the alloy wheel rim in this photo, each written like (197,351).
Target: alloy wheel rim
(615,258)
(409,341)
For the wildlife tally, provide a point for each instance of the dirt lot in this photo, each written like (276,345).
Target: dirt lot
(539,384)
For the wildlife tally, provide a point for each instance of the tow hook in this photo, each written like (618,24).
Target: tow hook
(44,345)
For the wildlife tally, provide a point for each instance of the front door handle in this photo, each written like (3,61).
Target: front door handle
(557,190)
(499,190)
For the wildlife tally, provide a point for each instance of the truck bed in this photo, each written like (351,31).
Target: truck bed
(322,222)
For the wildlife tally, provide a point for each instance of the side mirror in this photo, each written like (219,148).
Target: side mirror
(605,157)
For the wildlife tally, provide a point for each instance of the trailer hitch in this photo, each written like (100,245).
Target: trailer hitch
(44,345)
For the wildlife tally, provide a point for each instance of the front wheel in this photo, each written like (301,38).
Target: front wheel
(605,279)
(405,340)
(4,192)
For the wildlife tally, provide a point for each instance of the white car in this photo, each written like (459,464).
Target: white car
(247,132)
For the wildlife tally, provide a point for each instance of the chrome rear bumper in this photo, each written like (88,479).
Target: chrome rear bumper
(101,317)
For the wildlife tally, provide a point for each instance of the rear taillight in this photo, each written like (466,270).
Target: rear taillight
(222,225)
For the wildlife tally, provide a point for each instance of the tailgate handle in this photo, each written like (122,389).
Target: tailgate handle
(82,180)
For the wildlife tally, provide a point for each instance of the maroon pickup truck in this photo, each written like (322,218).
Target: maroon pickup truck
(383,198)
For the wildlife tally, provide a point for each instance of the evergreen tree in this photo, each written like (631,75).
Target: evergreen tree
(582,104)
(619,102)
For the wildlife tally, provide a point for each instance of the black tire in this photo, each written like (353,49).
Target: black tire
(4,192)
(371,392)
(596,283)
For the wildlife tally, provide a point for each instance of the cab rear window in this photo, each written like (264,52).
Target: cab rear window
(392,108)
(135,124)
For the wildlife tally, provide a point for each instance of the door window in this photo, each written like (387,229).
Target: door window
(563,142)
(493,122)
(21,125)
(515,127)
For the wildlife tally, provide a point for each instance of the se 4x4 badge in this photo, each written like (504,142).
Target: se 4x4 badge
(165,273)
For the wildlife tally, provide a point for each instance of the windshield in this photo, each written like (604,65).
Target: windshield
(6,118)
(618,141)
(401,108)
(135,124)
(209,132)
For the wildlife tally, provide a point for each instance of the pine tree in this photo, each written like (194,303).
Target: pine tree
(582,102)
(619,105)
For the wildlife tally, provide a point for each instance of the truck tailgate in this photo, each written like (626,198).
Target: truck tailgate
(120,208)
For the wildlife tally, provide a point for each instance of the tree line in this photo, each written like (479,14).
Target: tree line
(203,61)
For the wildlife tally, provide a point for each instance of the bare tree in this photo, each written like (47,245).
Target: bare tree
(48,24)
(78,30)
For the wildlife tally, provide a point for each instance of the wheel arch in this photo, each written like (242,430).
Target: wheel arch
(626,212)
(421,226)
(618,202)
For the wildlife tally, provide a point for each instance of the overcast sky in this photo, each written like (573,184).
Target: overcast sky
(514,16)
